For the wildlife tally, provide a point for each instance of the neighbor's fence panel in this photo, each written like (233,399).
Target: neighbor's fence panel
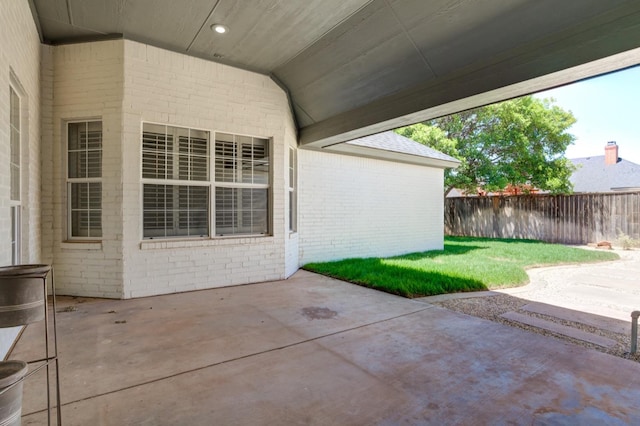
(568,219)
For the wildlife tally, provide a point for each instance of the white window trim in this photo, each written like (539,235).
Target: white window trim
(69,181)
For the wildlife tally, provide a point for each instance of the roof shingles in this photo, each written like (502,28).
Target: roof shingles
(593,175)
(391,141)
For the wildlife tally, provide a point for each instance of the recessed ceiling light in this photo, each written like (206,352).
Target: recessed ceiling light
(220,29)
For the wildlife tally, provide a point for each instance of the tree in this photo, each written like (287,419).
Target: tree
(516,142)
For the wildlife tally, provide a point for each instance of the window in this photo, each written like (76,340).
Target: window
(176,185)
(293,211)
(241,185)
(14,172)
(14,124)
(84,179)
(15,235)
(178,188)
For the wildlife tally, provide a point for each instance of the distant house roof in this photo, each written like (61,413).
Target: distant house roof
(594,175)
(394,147)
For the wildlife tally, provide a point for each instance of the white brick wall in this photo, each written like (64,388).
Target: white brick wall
(20,55)
(126,83)
(358,207)
(85,81)
(167,87)
(348,206)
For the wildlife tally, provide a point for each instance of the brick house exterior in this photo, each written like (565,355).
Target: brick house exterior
(116,215)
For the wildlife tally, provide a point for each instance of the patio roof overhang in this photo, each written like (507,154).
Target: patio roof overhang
(356,67)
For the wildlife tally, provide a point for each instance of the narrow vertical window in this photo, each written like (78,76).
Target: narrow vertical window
(14,170)
(15,145)
(293,211)
(15,235)
(84,179)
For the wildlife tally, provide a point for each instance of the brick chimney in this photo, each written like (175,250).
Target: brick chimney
(611,153)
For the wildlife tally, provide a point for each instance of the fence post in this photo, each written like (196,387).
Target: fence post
(634,331)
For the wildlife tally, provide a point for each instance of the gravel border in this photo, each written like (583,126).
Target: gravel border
(491,306)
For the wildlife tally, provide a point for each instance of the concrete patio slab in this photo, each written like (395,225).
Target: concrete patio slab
(560,329)
(610,289)
(316,351)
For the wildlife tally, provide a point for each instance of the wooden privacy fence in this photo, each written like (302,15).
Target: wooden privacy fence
(567,219)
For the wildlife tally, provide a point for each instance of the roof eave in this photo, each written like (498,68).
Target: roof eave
(381,154)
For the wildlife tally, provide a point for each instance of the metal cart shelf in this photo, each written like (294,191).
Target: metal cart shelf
(30,307)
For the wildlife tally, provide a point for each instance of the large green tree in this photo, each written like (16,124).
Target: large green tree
(518,142)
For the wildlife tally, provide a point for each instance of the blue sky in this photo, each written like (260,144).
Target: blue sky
(607,108)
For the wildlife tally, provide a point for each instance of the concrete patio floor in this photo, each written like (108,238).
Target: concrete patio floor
(312,350)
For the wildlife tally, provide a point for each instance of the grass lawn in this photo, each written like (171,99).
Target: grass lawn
(465,264)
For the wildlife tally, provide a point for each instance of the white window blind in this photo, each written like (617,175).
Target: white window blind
(14,161)
(293,208)
(175,172)
(242,185)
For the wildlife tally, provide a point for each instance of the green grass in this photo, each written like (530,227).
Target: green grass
(465,264)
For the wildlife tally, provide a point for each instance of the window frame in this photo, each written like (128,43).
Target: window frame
(69,181)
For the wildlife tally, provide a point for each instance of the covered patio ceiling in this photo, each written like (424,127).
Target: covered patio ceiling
(357,67)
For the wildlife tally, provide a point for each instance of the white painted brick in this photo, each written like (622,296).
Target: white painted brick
(167,87)
(359,207)
(20,53)
(347,206)
(126,83)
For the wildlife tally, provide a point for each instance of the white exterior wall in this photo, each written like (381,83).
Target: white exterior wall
(347,206)
(86,81)
(358,207)
(20,56)
(124,84)
(170,88)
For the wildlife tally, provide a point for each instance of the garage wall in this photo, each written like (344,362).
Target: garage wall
(359,207)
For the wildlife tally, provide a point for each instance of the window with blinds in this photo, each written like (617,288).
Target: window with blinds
(293,210)
(179,192)
(241,185)
(14,174)
(14,160)
(84,179)
(176,184)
